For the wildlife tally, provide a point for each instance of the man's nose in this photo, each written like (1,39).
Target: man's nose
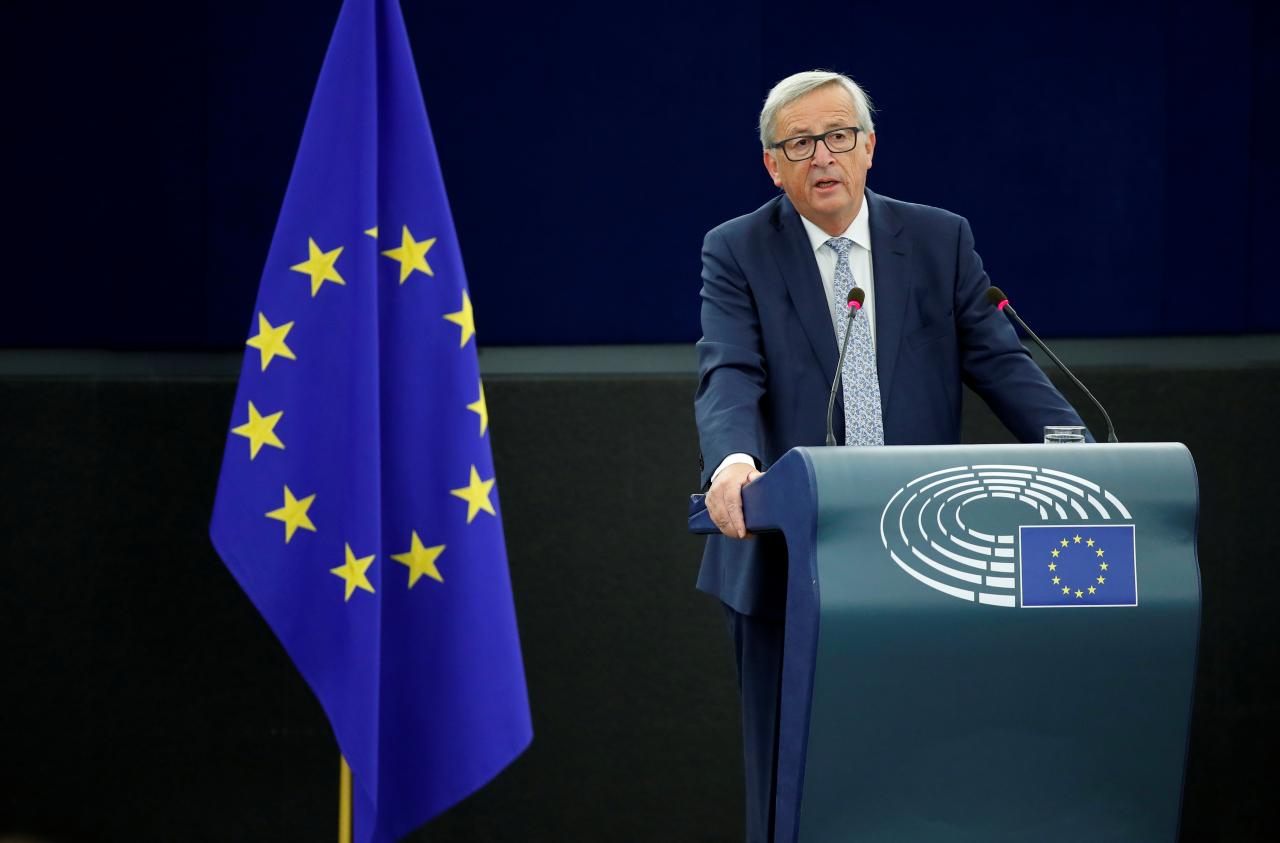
(821,155)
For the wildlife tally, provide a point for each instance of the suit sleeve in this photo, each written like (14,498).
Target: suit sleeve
(994,363)
(731,372)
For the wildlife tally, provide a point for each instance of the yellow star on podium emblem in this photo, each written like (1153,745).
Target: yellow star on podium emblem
(294,514)
(464,319)
(412,254)
(260,430)
(420,560)
(270,341)
(476,494)
(353,573)
(320,266)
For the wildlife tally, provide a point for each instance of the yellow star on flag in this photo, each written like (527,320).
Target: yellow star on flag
(1102,566)
(420,560)
(1064,542)
(1066,590)
(1093,589)
(1079,594)
(1102,580)
(412,254)
(480,409)
(1055,552)
(1053,566)
(372,232)
(270,341)
(464,319)
(294,514)
(1089,542)
(260,430)
(353,572)
(1101,551)
(1076,539)
(476,494)
(320,266)
(1057,580)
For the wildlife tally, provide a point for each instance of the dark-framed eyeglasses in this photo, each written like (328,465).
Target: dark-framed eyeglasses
(802,147)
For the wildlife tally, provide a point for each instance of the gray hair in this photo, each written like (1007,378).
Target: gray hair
(797,85)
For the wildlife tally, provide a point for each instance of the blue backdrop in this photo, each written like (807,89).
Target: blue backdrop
(1113,157)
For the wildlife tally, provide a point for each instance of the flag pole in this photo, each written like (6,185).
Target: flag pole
(344,802)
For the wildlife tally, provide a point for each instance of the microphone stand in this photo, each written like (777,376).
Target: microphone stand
(1013,314)
(855,304)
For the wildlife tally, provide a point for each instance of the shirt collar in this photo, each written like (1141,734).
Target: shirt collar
(859,231)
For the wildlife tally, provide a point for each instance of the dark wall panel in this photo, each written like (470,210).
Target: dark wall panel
(143,695)
(145,700)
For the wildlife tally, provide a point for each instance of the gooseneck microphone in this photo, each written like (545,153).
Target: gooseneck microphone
(856,297)
(1001,302)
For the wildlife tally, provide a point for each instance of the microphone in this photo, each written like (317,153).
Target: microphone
(856,297)
(1001,302)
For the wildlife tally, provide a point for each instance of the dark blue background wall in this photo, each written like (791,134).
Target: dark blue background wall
(1105,149)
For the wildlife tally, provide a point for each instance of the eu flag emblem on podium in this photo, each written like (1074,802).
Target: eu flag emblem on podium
(357,504)
(1078,565)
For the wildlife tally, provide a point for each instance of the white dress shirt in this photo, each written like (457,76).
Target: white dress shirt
(859,231)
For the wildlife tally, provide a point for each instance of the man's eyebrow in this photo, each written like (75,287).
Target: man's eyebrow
(803,130)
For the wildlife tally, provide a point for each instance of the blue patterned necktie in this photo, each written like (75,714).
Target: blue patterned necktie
(863,424)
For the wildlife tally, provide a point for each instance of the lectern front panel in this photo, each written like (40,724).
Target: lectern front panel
(1006,643)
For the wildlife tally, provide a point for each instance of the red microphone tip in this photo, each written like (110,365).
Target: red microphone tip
(997,298)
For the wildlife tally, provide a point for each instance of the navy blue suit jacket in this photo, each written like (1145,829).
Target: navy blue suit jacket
(768,355)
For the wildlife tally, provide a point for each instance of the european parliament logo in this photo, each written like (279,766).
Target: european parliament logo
(1014,535)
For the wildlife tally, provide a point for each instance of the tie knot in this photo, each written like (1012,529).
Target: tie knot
(840,245)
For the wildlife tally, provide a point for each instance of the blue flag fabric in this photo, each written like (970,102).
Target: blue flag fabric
(357,505)
(1078,565)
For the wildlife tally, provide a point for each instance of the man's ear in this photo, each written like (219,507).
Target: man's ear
(771,164)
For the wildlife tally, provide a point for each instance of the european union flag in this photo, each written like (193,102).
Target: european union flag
(1078,565)
(357,504)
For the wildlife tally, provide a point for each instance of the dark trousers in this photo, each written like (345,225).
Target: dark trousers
(757,645)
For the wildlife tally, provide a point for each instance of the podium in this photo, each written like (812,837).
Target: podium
(983,643)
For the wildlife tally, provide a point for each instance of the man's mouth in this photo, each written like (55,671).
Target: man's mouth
(825,184)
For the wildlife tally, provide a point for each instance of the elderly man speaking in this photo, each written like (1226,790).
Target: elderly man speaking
(774,287)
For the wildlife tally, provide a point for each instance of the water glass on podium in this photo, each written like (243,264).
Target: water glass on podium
(1063,434)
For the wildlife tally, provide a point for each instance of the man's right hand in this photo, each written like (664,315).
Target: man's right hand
(724,499)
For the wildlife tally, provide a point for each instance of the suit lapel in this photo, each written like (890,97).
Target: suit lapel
(799,269)
(890,265)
